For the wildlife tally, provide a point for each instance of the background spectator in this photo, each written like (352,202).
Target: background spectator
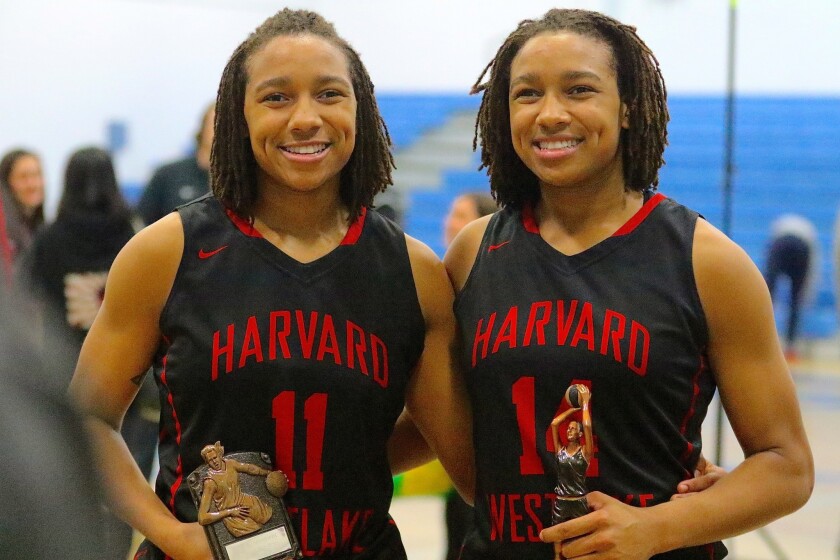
(180,181)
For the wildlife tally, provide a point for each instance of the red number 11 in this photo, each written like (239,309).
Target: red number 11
(314,414)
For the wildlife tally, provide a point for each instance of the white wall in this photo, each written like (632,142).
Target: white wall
(67,67)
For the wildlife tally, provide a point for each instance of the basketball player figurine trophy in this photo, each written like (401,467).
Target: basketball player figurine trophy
(572,459)
(239,504)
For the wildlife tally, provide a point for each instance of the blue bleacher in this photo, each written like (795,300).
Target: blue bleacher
(408,116)
(781,165)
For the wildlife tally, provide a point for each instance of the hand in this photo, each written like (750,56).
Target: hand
(241,512)
(584,394)
(705,475)
(611,531)
(190,544)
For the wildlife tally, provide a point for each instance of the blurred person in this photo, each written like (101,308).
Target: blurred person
(21,206)
(285,245)
(463,210)
(66,267)
(588,276)
(49,490)
(64,273)
(458,514)
(793,253)
(183,180)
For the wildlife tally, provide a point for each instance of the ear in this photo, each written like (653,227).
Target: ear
(625,116)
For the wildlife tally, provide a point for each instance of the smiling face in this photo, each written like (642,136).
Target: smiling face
(27,182)
(565,112)
(301,113)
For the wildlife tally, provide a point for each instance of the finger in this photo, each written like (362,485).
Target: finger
(560,532)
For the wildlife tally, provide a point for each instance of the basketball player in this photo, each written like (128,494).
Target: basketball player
(280,314)
(589,276)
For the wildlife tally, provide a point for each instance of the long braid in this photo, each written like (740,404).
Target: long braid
(640,86)
(233,168)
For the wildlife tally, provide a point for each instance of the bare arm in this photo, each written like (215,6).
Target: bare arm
(588,445)
(407,448)
(248,468)
(117,352)
(559,419)
(777,474)
(436,397)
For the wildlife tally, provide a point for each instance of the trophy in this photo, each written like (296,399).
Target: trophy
(239,501)
(572,458)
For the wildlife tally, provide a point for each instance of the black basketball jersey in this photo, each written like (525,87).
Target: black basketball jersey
(622,317)
(306,362)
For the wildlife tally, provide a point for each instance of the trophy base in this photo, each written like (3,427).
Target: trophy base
(274,541)
(272,544)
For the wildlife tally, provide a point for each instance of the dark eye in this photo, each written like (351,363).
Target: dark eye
(331,94)
(275,97)
(580,90)
(526,93)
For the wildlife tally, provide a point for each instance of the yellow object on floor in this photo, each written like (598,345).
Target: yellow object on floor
(430,479)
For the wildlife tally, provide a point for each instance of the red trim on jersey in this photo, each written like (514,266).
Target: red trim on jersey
(350,238)
(355,229)
(5,247)
(640,216)
(244,225)
(692,409)
(180,468)
(528,220)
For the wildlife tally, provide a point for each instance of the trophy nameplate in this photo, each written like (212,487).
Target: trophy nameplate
(244,516)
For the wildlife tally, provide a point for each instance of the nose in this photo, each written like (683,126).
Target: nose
(553,113)
(305,117)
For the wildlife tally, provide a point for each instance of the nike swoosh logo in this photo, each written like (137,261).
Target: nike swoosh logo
(202,254)
(494,247)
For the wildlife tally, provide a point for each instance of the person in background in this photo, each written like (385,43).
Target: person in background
(180,181)
(50,489)
(588,276)
(65,269)
(458,514)
(21,206)
(64,273)
(463,210)
(793,253)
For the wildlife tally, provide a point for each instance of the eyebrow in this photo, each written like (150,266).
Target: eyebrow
(283,81)
(530,77)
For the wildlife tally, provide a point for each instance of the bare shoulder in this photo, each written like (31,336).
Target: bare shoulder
(720,263)
(460,256)
(430,278)
(149,261)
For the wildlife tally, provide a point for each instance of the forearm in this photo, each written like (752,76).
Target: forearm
(766,486)
(407,448)
(127,492)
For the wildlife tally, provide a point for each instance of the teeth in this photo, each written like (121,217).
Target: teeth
(558,145)
(313,149)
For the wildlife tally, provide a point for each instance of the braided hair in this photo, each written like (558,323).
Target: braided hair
(640,87)
(233,168)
